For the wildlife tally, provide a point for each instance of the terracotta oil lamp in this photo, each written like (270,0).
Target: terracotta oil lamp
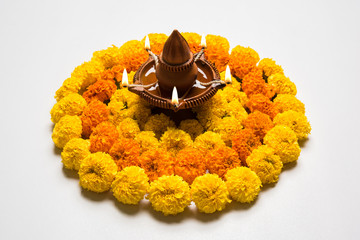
(177,79)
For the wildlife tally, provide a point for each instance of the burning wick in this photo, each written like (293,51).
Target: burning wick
(125,80)
(203,46)
(147,43)
(203,41)
(147,48)
(174,98)
(227,75)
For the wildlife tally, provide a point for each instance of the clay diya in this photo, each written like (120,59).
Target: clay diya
(176,79)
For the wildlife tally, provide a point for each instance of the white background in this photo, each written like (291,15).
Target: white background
(316,42)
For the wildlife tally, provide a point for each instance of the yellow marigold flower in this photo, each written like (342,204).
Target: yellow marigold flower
(156,163)
(282,84)
(128,128)
(130,185)
(158,123)
(230,94)
(226,127)
(242,60)
(297,121)
(269,67)
(169,195)
(265,164)
(243,184)
(213,108)
(222,159)
(286,102)
(157,41)
(284,141)
(192,127)
(189,164)
(236,110)
(70,85)
(208,141)
(235,84)
(132,55)
(72,104)
(122,98)
(141,113)
(209,193)
(67,128)
(217,51)
(88,72)
(74,152)
(108,57)
(174,140)
(97,172)
(147,141)
(194,40)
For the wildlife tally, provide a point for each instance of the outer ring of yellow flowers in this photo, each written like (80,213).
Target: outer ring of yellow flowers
(170,194)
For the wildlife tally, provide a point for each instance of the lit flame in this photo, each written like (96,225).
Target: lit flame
(147,43)
(203,41)
(227,75)
(175,99)
(125,80)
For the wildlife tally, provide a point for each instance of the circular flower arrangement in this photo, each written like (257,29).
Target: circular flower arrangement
(239,141)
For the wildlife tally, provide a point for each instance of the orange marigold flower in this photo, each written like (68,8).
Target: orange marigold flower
(157,41)
(194,40)
(125,152)
(244,142)
(217,51)
(107,74)
(132,55)
(242,60)
(101,90)
(95,113)
(222,159)
(189,164)
(103,137)
(156,163)
(259,122)
(263,104)
(269,66)
(253,83)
